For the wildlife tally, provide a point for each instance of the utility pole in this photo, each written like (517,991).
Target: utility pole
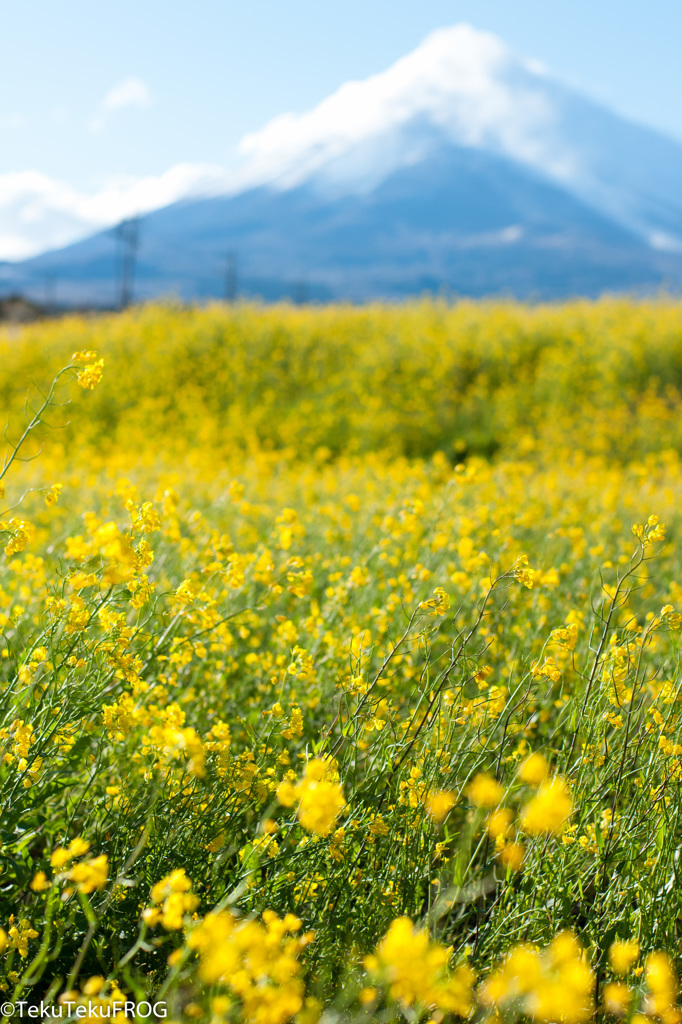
(128,233)
(230,277)
(301,292)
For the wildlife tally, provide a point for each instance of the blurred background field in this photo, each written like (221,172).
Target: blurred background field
(491,379)
(339,613)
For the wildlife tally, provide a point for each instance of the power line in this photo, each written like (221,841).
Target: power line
(128,233)
(300,295)
(231,277)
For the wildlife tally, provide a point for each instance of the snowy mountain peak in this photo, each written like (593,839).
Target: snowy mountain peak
(465,84)
(466,88)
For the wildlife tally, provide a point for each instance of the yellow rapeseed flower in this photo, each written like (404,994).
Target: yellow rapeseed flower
(90,376)
(617,998)
(549,811)
(90,874)
(439,803)
(623,954)
(499,822)
(484,790)
(552,985)
(319,798)
(416,970)
(534,769)
(40,882)
(171,900)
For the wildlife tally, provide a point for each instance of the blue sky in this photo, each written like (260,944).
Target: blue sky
(93,91)
(216,69)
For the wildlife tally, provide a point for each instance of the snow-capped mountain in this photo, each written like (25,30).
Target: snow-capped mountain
(467,88)
(461,167)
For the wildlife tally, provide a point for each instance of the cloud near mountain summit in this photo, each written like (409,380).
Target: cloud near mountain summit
(465,82)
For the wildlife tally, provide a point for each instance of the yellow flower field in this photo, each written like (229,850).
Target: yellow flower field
(340,661)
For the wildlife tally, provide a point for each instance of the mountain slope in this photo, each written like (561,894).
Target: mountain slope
(473,91)
(463,221)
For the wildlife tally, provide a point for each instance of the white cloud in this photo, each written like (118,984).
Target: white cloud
(38,212)
(665,242)
(129,92)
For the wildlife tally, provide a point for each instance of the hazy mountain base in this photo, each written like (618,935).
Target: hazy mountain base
(463,222)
